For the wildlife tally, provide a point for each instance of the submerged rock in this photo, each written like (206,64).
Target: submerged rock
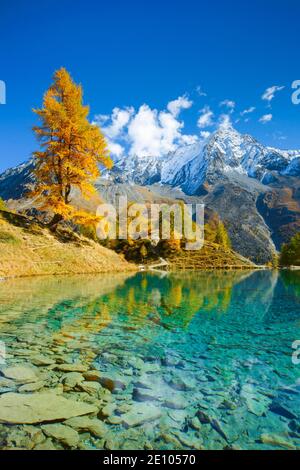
(144,395)
(195,424)
(92,388)
(282,410)
(7,385)
(190,442)
(112,383)
(180,383)
(277,441)
(107,410)
(31,387)
(20,373)
(71,367)
(295,426)
(176,403)
(71,379)
(46,445)
(256,403)
(92,375)
(141,413)
(114,419)
(150,367)
(216,425)
(203,417)
(6,382)
(35,434)
(83,423)
(62,433)
(19,408)
(40,360)
(18,438)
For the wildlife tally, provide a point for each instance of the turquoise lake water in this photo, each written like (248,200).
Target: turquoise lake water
(193,360)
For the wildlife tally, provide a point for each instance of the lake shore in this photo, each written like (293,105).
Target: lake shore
(28,249)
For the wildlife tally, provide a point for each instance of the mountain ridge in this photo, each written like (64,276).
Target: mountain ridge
(224,150)
(255,189)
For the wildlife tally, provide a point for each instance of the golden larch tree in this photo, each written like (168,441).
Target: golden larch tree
(72,149)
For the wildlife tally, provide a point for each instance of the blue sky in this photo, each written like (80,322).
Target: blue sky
(132,54)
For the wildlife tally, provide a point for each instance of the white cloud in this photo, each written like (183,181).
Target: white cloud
(146,131)
(225,121)
(200,91)
(153,132)
(170,131)
(204,134)
(248,110)
(176,106)
(228,103)
(206,117)
(115,148)
(186,139)
(119,119)
(101,119)
(266,118)
(113,127)
(278,135)
(269,93)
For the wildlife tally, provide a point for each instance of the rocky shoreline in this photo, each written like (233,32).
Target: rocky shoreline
(49,402)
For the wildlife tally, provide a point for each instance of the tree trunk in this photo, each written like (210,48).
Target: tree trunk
(54,222)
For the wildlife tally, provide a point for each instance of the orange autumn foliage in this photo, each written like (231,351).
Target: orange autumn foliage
(71,151)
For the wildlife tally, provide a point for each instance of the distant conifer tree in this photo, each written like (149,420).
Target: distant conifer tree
(222,237)
(290,252)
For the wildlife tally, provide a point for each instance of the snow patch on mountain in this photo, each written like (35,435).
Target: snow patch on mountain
(208,160)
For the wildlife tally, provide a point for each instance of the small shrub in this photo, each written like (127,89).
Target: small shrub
(35,229)
(6,237)
(290,252)
(2,205)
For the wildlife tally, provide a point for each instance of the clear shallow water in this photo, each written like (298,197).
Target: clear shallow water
(198,360)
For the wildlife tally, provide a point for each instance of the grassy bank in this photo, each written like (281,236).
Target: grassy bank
(28,249)
(211,256)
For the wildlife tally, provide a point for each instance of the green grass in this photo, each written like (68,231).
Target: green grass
(6,237)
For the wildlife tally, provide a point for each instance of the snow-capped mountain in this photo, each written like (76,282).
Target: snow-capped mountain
(224,152)
(13,182)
